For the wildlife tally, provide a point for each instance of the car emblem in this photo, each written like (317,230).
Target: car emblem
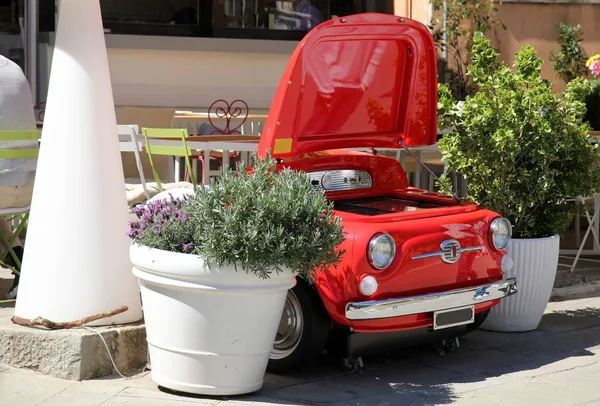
(450,251)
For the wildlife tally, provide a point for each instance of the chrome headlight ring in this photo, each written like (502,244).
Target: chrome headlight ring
(381,251)
(500,233)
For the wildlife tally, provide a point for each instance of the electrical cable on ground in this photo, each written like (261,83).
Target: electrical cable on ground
(110,355)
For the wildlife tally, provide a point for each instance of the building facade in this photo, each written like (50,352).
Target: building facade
(188,53)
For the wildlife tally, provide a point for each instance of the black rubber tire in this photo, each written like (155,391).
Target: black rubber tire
(316,327)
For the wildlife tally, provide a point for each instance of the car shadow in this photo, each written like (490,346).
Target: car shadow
(421,376)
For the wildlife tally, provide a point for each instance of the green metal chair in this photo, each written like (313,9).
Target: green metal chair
(172,150)
(18,214)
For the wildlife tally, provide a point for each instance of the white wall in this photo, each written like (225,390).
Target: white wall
(188,72)
(195,79)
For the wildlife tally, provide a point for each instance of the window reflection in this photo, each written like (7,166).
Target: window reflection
(296,15)
(161,12)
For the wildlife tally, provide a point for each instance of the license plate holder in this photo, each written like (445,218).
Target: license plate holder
(457,316)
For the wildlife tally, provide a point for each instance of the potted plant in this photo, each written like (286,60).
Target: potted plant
(526,154)
(453,27)
(215,268)
(592,101)
(570,63)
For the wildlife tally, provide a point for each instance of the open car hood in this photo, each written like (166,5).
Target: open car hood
(366,80)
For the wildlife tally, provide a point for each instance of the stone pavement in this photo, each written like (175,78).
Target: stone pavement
(558,364)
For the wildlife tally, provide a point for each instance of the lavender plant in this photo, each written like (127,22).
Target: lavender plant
(261,221)
(163,224)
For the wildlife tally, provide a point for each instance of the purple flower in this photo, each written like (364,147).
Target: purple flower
(188,247)
(153,216)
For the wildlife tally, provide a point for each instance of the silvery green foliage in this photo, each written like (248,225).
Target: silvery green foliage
(525,151)
(261,221)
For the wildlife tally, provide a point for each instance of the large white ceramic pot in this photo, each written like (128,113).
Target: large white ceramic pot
(535,264)
(210,330)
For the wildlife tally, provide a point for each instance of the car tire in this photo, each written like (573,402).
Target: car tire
(303,330)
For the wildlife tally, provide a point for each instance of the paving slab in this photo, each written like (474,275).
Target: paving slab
(528,393)
(557,345)
(584,378)
(568,320)
(65,399)
(28,389)
(131,401)
(477,361)
(557,364)
(261,401)
(483,339)
(148,395)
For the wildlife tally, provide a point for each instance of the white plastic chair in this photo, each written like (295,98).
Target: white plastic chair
(129,133)
(593,221)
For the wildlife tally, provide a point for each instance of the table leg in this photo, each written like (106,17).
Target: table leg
(195,168)
(176,169)
(225,159)
(206,168)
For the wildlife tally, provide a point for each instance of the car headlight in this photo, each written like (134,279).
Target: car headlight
(381,251)
(500,233)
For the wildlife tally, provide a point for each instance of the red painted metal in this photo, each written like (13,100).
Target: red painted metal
(415,232)
(369,80)
(237,109)
(365,80)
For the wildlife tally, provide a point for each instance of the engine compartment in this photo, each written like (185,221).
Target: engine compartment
(378,205)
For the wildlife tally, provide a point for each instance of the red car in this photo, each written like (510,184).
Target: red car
(418,265)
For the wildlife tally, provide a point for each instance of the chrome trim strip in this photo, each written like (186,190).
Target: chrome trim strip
(440,252)
(471,249)
(380,309)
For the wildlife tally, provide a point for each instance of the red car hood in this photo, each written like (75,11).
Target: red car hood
(366,80)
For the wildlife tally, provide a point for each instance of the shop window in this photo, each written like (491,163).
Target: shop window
(295,15)
(10,11)
(161,12)
(259,19)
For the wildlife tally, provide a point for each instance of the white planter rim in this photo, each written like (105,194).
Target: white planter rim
(536,238)
(192,271)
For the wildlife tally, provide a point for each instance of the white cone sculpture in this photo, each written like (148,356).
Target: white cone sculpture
(76,261)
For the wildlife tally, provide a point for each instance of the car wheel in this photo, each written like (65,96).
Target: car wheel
(303,330)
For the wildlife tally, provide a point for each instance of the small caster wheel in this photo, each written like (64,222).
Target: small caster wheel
(450,345)
(353,364)
(440,352)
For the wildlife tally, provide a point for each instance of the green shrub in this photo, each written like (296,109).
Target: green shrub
(454,37)
(525,151)
(592,103)
(569,62)
(261,222)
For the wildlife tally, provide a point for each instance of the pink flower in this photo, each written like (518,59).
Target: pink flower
(595,68)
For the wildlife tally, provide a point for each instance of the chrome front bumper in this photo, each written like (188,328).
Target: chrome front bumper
(380,309)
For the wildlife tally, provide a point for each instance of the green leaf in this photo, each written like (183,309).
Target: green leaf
(525,150)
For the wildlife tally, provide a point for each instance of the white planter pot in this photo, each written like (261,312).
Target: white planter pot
(210,330)
(535,264)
